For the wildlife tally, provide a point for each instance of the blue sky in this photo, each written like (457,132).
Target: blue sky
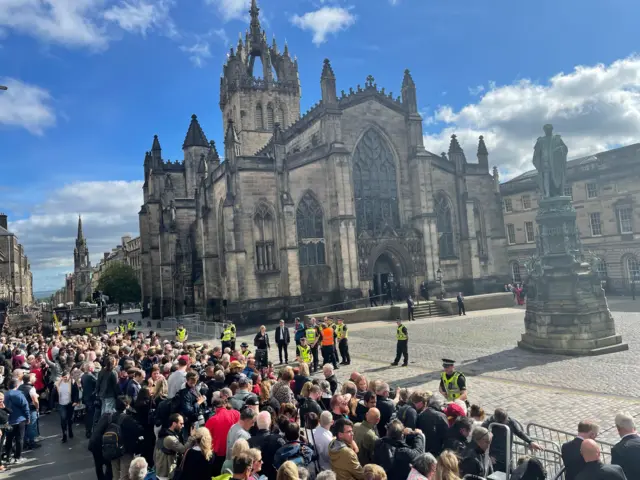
(90,83)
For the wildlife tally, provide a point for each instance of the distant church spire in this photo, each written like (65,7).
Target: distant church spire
(80,237)
(256,29)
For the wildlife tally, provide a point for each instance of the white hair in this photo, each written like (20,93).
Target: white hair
(327,369)
(264,420)
(326,475)
(326,419)
(624,421)
(138,468)
(382,388)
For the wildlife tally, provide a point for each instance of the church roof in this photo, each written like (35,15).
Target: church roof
(5,233)
(195,136)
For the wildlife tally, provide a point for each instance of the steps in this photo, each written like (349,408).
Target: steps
(429,309)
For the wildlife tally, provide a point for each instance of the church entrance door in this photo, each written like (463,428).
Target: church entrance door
(385,270)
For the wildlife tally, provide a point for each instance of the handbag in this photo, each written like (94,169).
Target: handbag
(178,473)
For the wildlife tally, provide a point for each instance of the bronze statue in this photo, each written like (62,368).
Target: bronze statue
(550,159)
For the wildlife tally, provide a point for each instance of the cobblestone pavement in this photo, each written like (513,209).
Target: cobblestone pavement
(553,390)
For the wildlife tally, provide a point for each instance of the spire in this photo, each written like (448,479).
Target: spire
(482,148)
(213,150)
(80,233)
(156,144)
(195,136)
(409,96)
(407,81)
(454,146)
(256,30)
(327,71)
(231,137)
(328,84)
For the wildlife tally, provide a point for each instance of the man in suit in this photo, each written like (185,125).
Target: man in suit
(627,451)
(594,469)
(460,299)
(88,382)
(571,456)
(282,339)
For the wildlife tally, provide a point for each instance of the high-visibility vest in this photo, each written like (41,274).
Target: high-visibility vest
(131,326)
(246,353)
(181,334)
(327,337)
(87,330)
(342,332)
(121,328)
(226,335)
(310,333)
(451,386)
(112,332)
(304,353)
(233,331)
(400,335)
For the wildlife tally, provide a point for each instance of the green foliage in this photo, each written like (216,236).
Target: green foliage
(120,283)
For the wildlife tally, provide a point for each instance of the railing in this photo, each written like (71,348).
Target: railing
(561,436)
(194,325)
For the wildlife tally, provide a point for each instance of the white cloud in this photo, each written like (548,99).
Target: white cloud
(27,106)
(140,16)
(198,53)
(594,108)
(325,21)
(232,9)
(477,90)
(109,210)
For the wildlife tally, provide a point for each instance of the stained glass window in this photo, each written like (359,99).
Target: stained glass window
(310,231)
(375,185)
(265,243)
(444,225)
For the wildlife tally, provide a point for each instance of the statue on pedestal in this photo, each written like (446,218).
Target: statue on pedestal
(550,159)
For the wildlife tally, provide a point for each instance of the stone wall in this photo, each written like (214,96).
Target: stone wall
(478,302)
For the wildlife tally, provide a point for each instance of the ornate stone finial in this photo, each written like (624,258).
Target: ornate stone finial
(359,88)
(495,172)
(350,90)
(327,71)
(454,146)
(156,144)
(370,81)
(482,148)
(342,93)
(444,155)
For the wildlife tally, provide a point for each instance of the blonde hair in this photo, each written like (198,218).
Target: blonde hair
(255,454)
(240,447)
(447,467)
(287,471)
(203,439)
(374,472)
(304,369)
(161,388)
(305,389)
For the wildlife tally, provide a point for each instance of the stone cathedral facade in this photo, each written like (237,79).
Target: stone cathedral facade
(313,209)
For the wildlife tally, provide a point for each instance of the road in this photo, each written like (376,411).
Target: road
(552,390)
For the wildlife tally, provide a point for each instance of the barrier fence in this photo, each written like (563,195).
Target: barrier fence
(561,436)
(194,325)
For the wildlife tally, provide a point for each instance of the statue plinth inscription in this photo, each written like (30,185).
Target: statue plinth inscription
(567,311)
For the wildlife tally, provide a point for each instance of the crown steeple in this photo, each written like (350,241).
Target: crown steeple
(256,29)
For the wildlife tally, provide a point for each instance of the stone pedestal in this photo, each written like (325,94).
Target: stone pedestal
(567,311)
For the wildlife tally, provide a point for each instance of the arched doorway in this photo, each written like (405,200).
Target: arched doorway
(385,269)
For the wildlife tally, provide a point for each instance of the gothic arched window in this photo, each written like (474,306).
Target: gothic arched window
(259,119)
(310,231)
(481,234)
(444,225)
(515,272)
(281,118)
(375,185)
(269,117)
(264,234)
(222,249)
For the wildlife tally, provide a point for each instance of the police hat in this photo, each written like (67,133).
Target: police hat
(244,344)
(447,362)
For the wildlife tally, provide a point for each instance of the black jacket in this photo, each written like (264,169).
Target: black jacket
(408,415)
(309,406)
(455,441)
(387,413)
(598,471)
(498,447)
(75,393)
(395,456)
(475,462)
(626,453)
(572,459)
(268,443)
(189,407)
(333,383)
(89,383)
(131,431)
(286,338)
(435,426)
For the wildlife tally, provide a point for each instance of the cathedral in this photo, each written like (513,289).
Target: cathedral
(81,268)
(312,209)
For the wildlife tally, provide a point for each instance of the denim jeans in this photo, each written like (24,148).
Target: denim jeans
(66,418)
(15,438)
(31,431)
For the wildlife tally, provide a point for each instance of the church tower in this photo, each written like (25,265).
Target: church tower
(256,98)
(81,267)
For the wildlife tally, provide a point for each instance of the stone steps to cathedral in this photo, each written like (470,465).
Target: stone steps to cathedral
(429,309)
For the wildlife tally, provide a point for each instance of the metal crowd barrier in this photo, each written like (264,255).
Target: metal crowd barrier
(551,458)
(561,436)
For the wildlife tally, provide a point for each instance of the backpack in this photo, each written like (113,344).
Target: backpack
(113,440)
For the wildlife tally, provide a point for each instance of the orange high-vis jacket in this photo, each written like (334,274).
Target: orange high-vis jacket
(327,337)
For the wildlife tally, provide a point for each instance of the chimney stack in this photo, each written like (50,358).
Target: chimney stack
(3,221)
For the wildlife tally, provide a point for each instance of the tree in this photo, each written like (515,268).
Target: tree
(120,283)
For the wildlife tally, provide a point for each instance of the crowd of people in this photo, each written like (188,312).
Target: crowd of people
(159,408)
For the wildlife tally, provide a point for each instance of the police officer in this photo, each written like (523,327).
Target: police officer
(304,352)
(343,342)
(87,331)
(181,334)
(311,334)
(131,328)
(402,346)
(226,337)
(453,385)
(122,327)
(244,349)
(233,336)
